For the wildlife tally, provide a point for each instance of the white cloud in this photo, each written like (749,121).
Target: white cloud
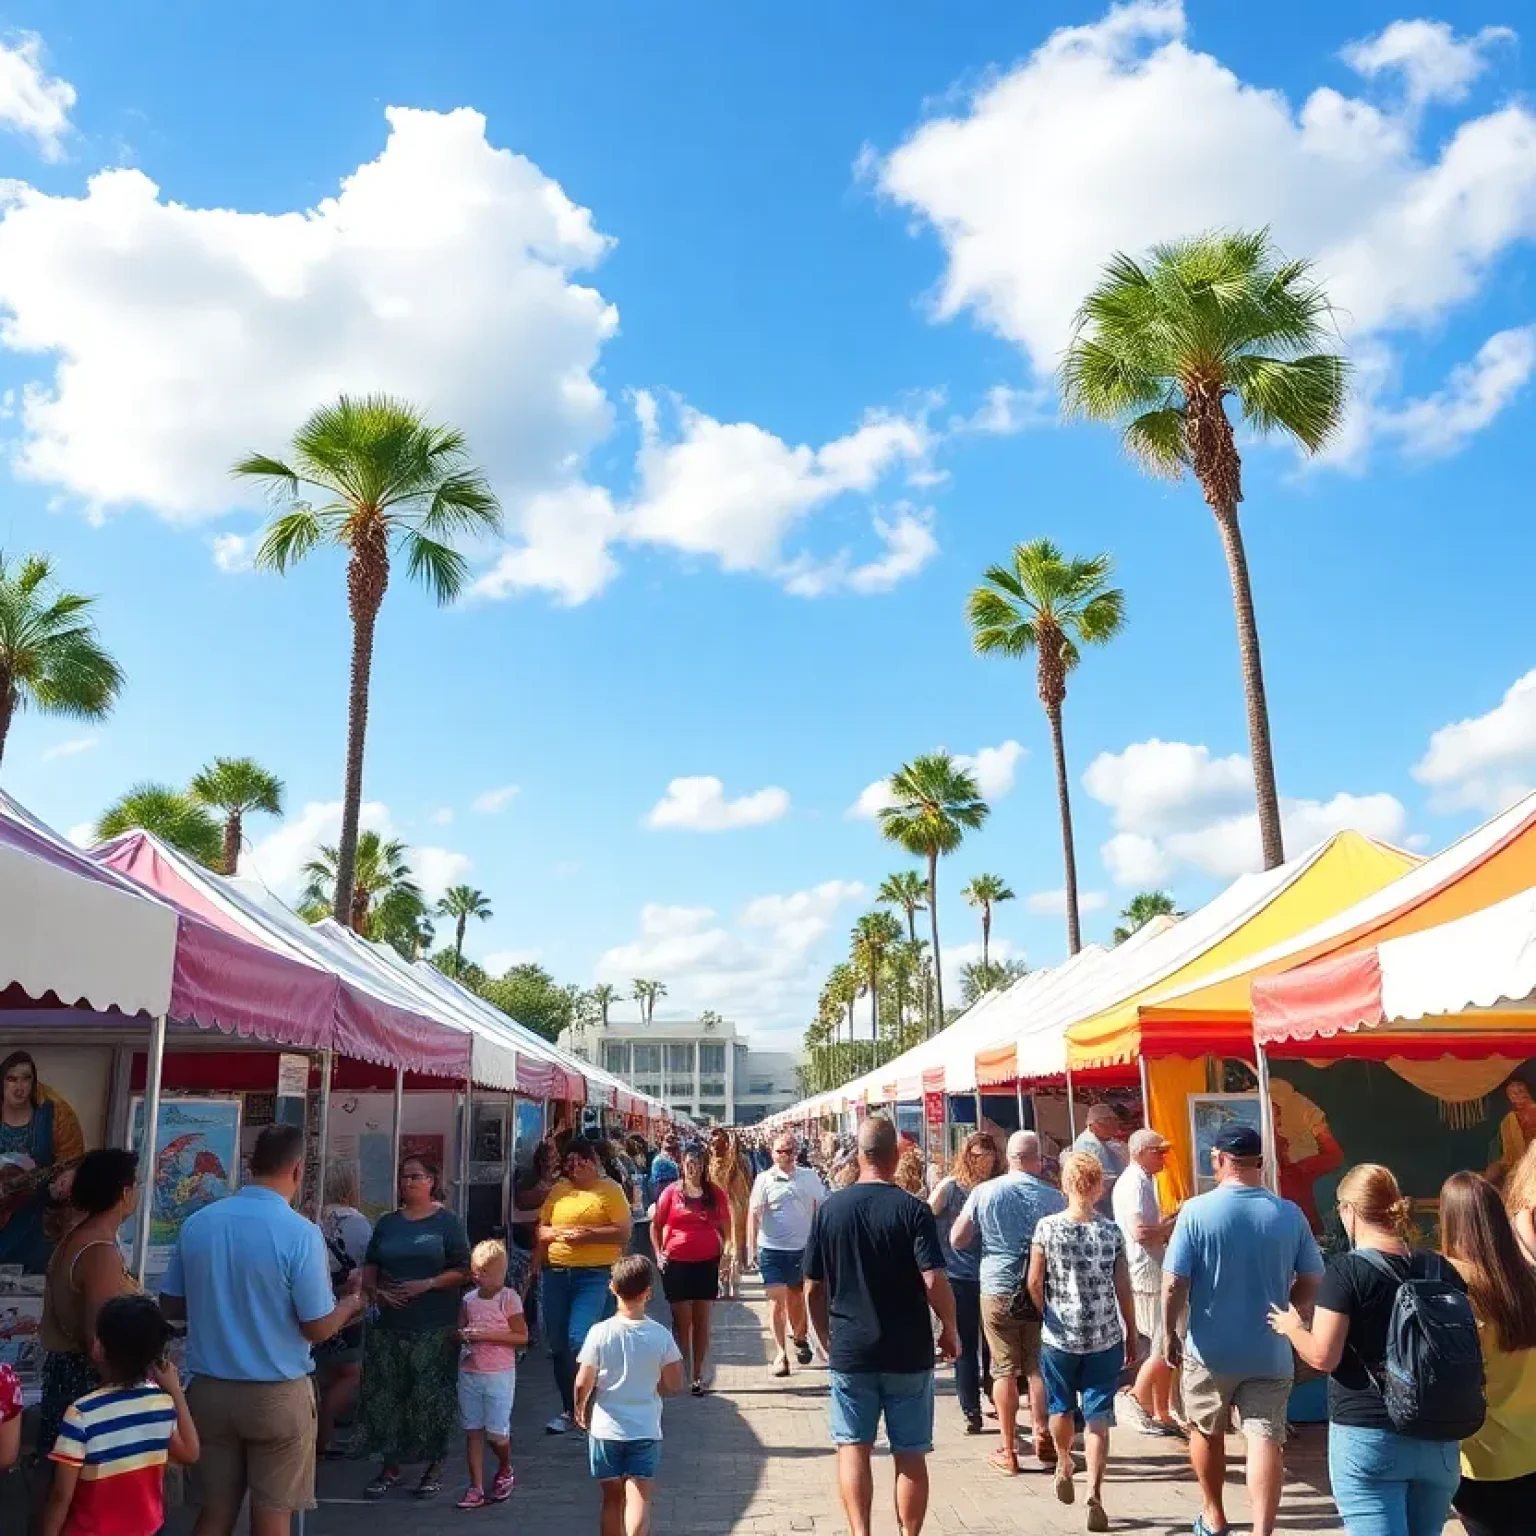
(1007,410)
(494,801)
(1485,762)
(83,834)
(699,805)
(909,546)
(438,868)
(1435,64)
(761,971)
(442,816)
(1174,805)
(234,553)
(1118,134)
(958,956)
(499,961)
(1054,903)
(873,799)
(32,102)
(994,768)
(565,549)
(72,748)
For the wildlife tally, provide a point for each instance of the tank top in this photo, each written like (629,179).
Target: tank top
(62,1328)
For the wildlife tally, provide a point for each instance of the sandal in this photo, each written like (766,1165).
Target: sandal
(1097,1519)
(1065,1492)
(781,1366)
(474,1498)
(1001,1461)
(381,1485)
(697,1388)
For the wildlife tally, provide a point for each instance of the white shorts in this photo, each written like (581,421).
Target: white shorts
(485,1401)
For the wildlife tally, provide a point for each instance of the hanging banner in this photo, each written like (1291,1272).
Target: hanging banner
(933,1109)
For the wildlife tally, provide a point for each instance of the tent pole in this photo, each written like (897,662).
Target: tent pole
(323,1151)
(1018,1096)
(464,1149)
(1266,1120)
(506,1163)
(1071,1112)
(153,1071)
(1146,1090)
(394,1145)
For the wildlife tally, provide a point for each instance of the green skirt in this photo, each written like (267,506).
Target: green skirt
(409,1408)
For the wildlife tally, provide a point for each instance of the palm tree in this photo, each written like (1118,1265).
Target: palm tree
(462,902)
(1141,909)
(385,895)
(236,786)
(905,889)
(50,657)
(873,936)
(934,804)
(168,814)
(985,891)
(843,990)
(604,995)
(645,993)
(983,976)
(389,484)
(1161,346)
(1051,605)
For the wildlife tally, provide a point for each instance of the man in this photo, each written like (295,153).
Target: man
(874,1269)
(251,1279)
(1004,1212)
(1146,1233)
(1104,1140)
(40,1143)
(1235,1253)
(783,1201)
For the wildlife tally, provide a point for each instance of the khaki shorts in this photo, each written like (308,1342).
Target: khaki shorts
(1261,1402)
(1015,1346)
(257,1437)
(1149,1320)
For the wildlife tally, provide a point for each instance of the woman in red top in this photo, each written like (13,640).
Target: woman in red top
(688,1237)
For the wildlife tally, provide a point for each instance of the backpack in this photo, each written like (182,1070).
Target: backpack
(1432,1377)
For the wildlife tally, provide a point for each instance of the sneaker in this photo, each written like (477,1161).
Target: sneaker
(473,1498)
(561,1424)
(501,1489)
(803,1351)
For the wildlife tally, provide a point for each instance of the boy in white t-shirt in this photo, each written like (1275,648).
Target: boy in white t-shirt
(627,1365)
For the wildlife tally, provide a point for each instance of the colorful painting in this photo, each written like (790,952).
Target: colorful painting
(1209,1114)
(197,1161)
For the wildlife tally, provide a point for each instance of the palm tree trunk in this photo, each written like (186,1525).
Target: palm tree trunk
(1259,748)
(1068,847)
(938,960)
(986,936)
(7,711)
(367,577)
(874,1010)
(232,838)
(458,944)
(912,924)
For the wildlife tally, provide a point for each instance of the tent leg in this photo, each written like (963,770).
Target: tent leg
(323,1150)
(1267,1120)
(1018,1097)
(153,1073)
(1146,1091)
(394,1145)
(464,1149)
(1071,1112)
(506,1163)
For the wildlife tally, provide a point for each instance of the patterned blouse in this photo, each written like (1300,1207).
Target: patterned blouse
(1082,1314)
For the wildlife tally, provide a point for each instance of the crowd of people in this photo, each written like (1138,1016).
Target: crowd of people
(1064,1303)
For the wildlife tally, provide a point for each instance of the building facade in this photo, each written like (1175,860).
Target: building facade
(700,1067)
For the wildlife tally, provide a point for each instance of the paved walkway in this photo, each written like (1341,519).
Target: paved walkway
(753,1457)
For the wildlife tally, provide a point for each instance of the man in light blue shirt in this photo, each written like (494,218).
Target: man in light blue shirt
(251,1278)
(1236,1252)
(1101,1140)
(1004,1212)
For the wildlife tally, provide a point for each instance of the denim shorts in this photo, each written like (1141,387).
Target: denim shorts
(612,1459)
(859,1398)
(782,1266)
(485,1401)
(1091,1378)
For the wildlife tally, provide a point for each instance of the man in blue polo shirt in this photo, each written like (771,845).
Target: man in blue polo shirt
(251,1278)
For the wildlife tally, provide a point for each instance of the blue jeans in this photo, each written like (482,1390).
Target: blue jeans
(904,1397)
(1388,1485)
(574,1300)
(974,1360)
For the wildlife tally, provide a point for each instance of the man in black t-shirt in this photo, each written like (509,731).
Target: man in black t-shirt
(873,1268)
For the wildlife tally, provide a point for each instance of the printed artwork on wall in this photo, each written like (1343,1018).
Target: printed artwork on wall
(1209,1115)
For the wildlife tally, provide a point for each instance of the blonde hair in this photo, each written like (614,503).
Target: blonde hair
(1082,1174)
(341,1183)
(910,1174)
(483,1254)
(1372,1192)
(1520,1183)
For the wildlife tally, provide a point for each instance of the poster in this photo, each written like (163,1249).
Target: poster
(1210,1113)
(292,1076)
(528,1131)
(21,1315)
(196,1161)
(362,1134)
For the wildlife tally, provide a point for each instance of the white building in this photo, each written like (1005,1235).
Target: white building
(700,1066)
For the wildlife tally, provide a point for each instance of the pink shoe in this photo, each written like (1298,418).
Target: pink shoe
(501,1489)
(474,1498)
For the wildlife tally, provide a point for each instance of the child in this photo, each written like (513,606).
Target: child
(628,1364)
(10,1417)
(493,1328)
(109,1460)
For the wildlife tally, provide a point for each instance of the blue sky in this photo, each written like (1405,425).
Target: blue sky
(751,317)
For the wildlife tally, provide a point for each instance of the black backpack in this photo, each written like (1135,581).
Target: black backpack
(1432,1377)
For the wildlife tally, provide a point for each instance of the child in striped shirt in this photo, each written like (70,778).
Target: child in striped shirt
(109,1460)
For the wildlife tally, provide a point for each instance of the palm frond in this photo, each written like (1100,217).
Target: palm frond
(1303,396)
(444,570)
(1156,440)
(291,536)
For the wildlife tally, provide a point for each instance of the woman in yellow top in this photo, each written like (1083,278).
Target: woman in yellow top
(583,1233)
(728,1172)
(1497,1496)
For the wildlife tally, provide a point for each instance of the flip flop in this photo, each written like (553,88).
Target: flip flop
(1001,1461)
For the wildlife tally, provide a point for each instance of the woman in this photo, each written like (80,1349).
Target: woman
(1520,1200)
(1497,1492)
(975,1163)
(688,1236)
(583,1232)
(911,1175)
(1517,1130)
(85,1272)
(728,1173)
(1081,1284)
(1384,1483)
(339,1361)
(415,1270)
(40,1142)
(530,1189)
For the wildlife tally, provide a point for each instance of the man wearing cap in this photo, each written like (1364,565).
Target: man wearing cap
(1236,1252)
(1102,1139)
(1146,1232)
